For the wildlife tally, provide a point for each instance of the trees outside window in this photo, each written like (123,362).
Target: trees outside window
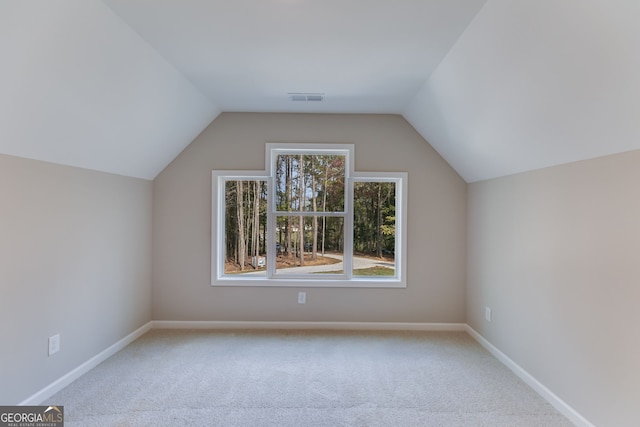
(308,219)
(374,222)
(245,231)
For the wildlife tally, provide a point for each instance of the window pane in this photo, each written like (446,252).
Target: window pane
(245,227)
(374,228)
(322,240)
(310,183)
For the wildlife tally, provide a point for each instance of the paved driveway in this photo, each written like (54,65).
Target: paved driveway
(358,263)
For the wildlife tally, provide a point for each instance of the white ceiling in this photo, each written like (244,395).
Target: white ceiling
(497,86)
(246,55)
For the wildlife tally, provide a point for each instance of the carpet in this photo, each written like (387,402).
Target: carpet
(303,378)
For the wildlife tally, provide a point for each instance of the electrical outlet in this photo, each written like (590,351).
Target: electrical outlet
(54,344)
(487,313)
(302,297)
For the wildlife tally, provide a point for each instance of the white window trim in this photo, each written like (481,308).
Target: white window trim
(271,278)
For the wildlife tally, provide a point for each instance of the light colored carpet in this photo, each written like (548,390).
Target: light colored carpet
(263,378)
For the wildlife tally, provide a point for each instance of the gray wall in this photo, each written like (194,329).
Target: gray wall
(182,224)
(75,259)
(555,254)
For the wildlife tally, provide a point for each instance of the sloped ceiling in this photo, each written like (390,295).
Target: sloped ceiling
(79,87)
(535,83)
(497,87)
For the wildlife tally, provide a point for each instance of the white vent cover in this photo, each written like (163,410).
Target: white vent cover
(306,97)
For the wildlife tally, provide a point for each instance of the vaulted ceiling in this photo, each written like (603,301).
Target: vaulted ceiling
(496,86)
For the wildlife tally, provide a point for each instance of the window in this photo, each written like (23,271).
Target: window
(309,219)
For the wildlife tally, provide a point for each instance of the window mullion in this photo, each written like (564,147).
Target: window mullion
(348,230)
(271,230)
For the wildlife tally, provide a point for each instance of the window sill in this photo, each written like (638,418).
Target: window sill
(306,283)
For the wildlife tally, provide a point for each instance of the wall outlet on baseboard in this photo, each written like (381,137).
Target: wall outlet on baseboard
(487,313)
(54,344)
(302,297)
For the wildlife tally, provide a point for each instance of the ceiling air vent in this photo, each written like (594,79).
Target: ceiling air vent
(306,97)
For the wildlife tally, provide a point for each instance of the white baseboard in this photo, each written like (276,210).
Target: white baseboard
(543,391)
(342,326)
(73,375)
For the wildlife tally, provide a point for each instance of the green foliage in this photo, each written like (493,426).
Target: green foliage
(374,271)
(370,271)
(389,226)
(374,217)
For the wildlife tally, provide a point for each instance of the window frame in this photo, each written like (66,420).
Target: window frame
(271,278)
